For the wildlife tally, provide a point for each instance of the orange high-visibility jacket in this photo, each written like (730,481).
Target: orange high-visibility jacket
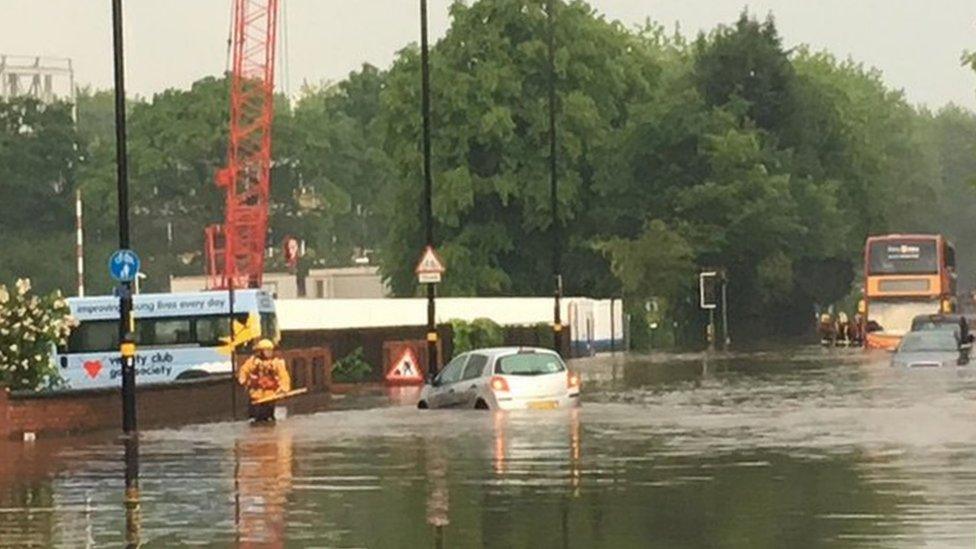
(264,377)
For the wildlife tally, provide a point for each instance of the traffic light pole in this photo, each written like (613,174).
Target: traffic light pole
(127,344)
(726,341)
(711,330)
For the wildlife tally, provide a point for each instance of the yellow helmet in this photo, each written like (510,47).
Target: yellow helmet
(264,345)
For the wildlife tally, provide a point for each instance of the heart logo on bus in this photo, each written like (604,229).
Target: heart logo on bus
(93,367)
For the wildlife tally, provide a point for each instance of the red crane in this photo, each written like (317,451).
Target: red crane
(234,251)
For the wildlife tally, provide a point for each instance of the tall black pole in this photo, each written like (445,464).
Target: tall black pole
(432,365)
(127,347)
(557,325)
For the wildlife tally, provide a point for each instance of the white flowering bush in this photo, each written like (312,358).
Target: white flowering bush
(30,327)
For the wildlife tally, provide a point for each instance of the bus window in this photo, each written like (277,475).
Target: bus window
(213,330)
(166,331)
(894,257)
(94,336)
(950,256)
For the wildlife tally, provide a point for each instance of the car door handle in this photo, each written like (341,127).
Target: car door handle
(473,388)
(451,392)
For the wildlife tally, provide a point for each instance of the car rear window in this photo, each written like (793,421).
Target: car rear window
(529,364)
(929,341)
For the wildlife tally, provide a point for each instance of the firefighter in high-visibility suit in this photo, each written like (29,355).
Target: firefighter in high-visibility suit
(264,376)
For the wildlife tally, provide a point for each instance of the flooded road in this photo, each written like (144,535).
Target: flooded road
(809,448)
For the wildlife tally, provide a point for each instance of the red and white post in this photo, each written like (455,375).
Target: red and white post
(80,244)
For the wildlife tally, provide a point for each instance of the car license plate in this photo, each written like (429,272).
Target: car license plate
(543,405)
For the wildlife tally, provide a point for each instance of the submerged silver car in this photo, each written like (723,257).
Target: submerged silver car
(504,378)
(932,348)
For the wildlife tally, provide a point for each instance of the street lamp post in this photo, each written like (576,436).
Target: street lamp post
(557,326)
(432,365)
(126,346)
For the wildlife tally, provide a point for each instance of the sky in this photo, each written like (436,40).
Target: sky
(170,43)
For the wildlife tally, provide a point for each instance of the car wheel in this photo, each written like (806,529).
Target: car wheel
(481,405)
(422,405)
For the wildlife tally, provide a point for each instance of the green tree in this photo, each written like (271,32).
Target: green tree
(491,189)
(333,150)
(746,69)
(40,152)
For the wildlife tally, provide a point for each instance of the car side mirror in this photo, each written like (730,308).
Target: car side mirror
(434,381)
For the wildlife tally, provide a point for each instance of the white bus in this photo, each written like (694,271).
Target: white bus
(178,336)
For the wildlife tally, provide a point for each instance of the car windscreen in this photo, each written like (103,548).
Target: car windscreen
(529,364)
(935,340)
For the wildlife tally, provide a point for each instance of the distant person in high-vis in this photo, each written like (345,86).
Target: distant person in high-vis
(265,377)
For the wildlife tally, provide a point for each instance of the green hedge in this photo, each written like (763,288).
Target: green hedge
(478,334)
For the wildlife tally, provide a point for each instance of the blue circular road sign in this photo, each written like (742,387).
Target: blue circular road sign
(124,265)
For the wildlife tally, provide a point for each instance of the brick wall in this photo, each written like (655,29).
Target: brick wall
(173,404)
(372,340)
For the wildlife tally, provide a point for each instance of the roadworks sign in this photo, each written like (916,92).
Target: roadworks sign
(406,369)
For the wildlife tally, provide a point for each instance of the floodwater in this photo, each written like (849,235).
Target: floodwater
(809,448)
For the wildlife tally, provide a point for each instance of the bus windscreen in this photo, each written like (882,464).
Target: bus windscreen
(896,257)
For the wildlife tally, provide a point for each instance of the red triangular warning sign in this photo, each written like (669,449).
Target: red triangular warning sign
(430,262)
(406,368)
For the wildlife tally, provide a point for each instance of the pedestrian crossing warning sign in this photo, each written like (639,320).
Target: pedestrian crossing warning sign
(406,368)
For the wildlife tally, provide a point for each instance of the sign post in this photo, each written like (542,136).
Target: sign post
(124,266)
(708,300)
(430,269)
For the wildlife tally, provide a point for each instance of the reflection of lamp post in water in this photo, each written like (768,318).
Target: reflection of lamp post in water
(133,518)
(438,498)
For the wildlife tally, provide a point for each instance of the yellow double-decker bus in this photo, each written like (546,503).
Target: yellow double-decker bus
(905,275)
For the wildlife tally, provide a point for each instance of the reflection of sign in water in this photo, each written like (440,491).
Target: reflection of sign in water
(406,368)
(904,251)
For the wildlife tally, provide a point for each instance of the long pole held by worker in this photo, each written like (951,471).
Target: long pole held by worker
(126,346)
(432,365)
(557,325)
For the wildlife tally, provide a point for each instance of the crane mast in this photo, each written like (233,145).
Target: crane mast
(234,251)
